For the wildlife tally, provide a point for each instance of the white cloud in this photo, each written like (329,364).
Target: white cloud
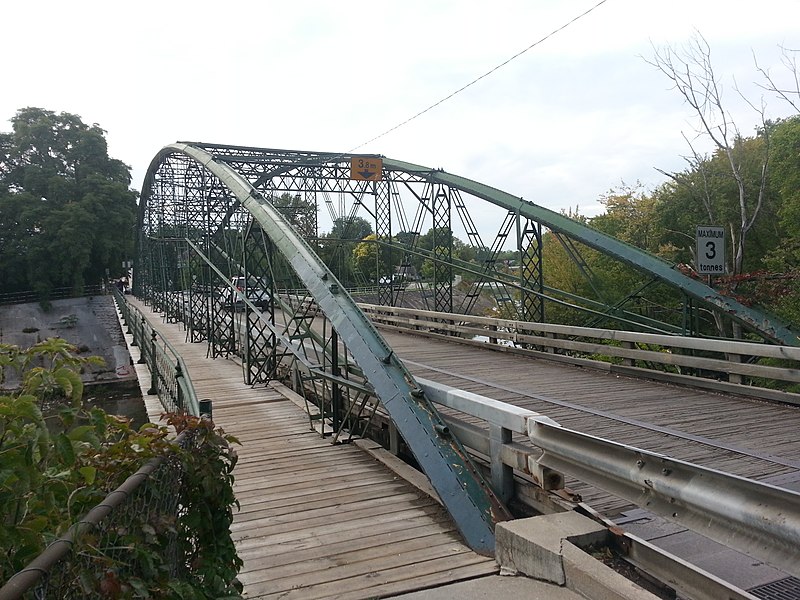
(561,124)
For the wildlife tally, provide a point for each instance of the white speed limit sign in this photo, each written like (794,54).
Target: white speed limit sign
(710,250)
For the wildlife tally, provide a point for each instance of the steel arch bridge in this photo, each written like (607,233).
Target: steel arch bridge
(224,227)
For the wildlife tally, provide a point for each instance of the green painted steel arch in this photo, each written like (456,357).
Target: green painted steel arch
(769,327)
(470,501)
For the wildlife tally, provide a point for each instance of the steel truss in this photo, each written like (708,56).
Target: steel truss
(214,213)
(315,333)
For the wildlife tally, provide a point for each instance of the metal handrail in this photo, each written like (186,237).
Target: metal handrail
(702,360)
(55,294)
(756,518)
(169,377)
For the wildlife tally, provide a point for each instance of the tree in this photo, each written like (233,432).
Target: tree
(782,287)
(301,213)
(789,93)
(693,76)
(336,248)
(368,257)
(66,211)
(351,229)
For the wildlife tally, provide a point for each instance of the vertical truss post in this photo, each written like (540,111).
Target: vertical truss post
(336,391)
(529,236)
(260,343)
(441,205)
(383,233)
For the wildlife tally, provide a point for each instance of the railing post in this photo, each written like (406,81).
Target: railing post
(734,377)
(502,474)
(206,409)
(138,334)
(492,340)
(550,348)
(153,366)
(178,392)
(628,362)
(394,439)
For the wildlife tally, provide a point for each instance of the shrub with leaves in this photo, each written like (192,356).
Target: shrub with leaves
(58,460)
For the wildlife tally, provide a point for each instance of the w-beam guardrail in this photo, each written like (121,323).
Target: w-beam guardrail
(169,378)
(758,519)
(723,365)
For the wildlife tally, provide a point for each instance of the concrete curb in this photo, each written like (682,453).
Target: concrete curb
(549,548)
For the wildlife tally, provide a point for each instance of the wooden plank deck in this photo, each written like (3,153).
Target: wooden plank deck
(759,439)
(319,520)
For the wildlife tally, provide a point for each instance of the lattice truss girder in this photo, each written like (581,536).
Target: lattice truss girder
(203,238)
(312,176)
(402,207)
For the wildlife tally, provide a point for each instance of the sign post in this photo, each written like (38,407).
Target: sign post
(710,250)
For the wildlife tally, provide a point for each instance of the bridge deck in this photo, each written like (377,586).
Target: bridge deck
(316,520)
(738,435)
(746,437)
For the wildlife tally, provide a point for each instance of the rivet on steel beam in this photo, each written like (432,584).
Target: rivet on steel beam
(417,392)
(640,463)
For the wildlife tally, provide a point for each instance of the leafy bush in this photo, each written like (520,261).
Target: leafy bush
(60,459)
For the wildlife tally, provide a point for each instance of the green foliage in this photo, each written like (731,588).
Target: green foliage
(369,257)
(66,212)
(336,248)
(59,460)
(301,213)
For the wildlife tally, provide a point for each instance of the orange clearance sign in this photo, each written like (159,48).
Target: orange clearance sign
(366,169)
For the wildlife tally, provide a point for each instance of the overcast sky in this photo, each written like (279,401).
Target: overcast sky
(560,125)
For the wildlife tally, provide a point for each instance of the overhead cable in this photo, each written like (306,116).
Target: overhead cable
(477,79)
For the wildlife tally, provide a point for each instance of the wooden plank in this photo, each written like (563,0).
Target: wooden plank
(753,425)
(300,584)
(317,515)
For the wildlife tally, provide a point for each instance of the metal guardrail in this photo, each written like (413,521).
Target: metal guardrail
(720,364)
(755,518)
(169,378)
(56,294)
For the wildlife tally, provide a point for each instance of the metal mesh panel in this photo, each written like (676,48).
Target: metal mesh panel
(105,555)
(783,589)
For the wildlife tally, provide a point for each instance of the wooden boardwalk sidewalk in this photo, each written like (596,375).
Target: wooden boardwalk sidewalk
(319,520)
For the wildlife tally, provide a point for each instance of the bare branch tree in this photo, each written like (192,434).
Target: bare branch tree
(790,94)
(693,76)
